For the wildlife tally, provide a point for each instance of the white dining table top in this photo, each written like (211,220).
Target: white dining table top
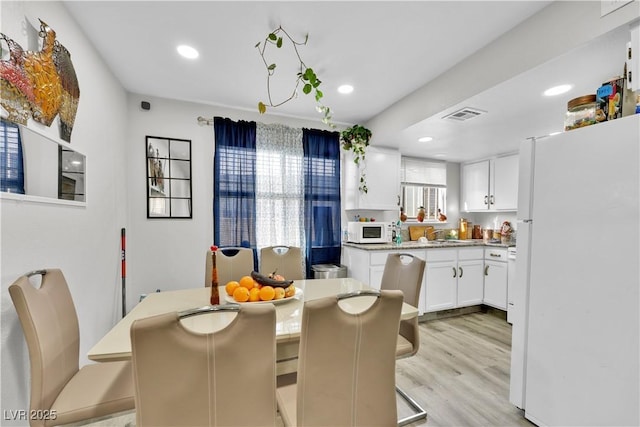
(116,344)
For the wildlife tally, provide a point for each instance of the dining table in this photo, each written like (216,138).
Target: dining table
(116,344)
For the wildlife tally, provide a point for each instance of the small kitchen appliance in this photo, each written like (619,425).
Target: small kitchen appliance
(369,232)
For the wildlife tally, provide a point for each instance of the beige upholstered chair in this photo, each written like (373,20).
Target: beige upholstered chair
(223,378)
(346,365)
(405,272)
(286,260)
(58,386)
(232,264)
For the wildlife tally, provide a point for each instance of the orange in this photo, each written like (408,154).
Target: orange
(247,282)
(231,286)
(290,291)
(241,294)
(267,293)
(279,293)
(254,295)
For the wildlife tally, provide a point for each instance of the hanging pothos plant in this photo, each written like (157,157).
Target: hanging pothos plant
(356,139)
(305,75)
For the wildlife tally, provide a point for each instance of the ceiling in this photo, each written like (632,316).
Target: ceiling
(385,49)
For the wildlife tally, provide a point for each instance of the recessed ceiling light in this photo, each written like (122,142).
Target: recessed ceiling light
(345,89)
(425,139)
(557,90)
(187,51)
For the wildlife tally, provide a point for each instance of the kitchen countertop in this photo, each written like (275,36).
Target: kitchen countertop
(428,245)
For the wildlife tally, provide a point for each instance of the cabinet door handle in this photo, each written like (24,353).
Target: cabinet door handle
(495,255)
(486,200)
(461,271)
(486,270)
(455,272)
(491,200)
(398,200)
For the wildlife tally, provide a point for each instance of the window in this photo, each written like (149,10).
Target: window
(279,194)
(11,167)
(424,184)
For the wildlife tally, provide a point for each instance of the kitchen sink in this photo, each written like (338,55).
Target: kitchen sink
(412,243)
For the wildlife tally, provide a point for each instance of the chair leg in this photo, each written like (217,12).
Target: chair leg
(420,411)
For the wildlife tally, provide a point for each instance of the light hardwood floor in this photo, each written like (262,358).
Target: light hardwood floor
(460,375)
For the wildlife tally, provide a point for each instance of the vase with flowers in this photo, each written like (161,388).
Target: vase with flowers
(356,139)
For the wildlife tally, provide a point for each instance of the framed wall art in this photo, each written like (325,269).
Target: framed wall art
(168,177)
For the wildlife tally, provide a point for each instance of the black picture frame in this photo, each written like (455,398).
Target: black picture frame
(169,184)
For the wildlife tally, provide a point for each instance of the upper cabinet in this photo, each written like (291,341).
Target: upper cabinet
(490,185)
(505,183)
(382,170)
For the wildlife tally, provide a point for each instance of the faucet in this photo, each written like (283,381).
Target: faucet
(435,232)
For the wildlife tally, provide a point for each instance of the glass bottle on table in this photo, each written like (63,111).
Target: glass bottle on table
(215,292)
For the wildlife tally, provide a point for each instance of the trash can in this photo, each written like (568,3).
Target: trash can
(329,271)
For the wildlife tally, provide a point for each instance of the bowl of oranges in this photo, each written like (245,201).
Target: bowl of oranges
(249,290)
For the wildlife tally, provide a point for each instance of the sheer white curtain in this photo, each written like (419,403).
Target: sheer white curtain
(279,187)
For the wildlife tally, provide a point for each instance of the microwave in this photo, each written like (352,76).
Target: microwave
(369,232)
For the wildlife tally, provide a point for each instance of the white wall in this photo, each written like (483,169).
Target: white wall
(163,253)
(555,30)
(82,241)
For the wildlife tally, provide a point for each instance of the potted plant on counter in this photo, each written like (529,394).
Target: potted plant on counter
(356,139)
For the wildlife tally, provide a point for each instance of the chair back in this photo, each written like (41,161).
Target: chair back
(286,260)
(223,378)
(232,264)
(346,365)
(50,324)
(404,272)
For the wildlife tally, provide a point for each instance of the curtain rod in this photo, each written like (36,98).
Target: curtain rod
(205,122)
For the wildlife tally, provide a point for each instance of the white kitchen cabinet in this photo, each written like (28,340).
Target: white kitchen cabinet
(475,186)
(382,169)
(357,262)
(505,183)
(453,278)
(441,280)
(470,280)
(495,277)
(490,184)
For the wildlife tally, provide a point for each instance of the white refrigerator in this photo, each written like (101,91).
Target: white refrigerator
(576,325)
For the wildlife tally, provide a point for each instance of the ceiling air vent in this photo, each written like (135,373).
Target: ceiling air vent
(464,114)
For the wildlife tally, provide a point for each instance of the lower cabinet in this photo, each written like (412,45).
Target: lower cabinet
(495,278)
(453,278)
(357,262)
(440,289)
(470,282)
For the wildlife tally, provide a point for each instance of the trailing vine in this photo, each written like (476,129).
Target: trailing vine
(356,139)
(305,75)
